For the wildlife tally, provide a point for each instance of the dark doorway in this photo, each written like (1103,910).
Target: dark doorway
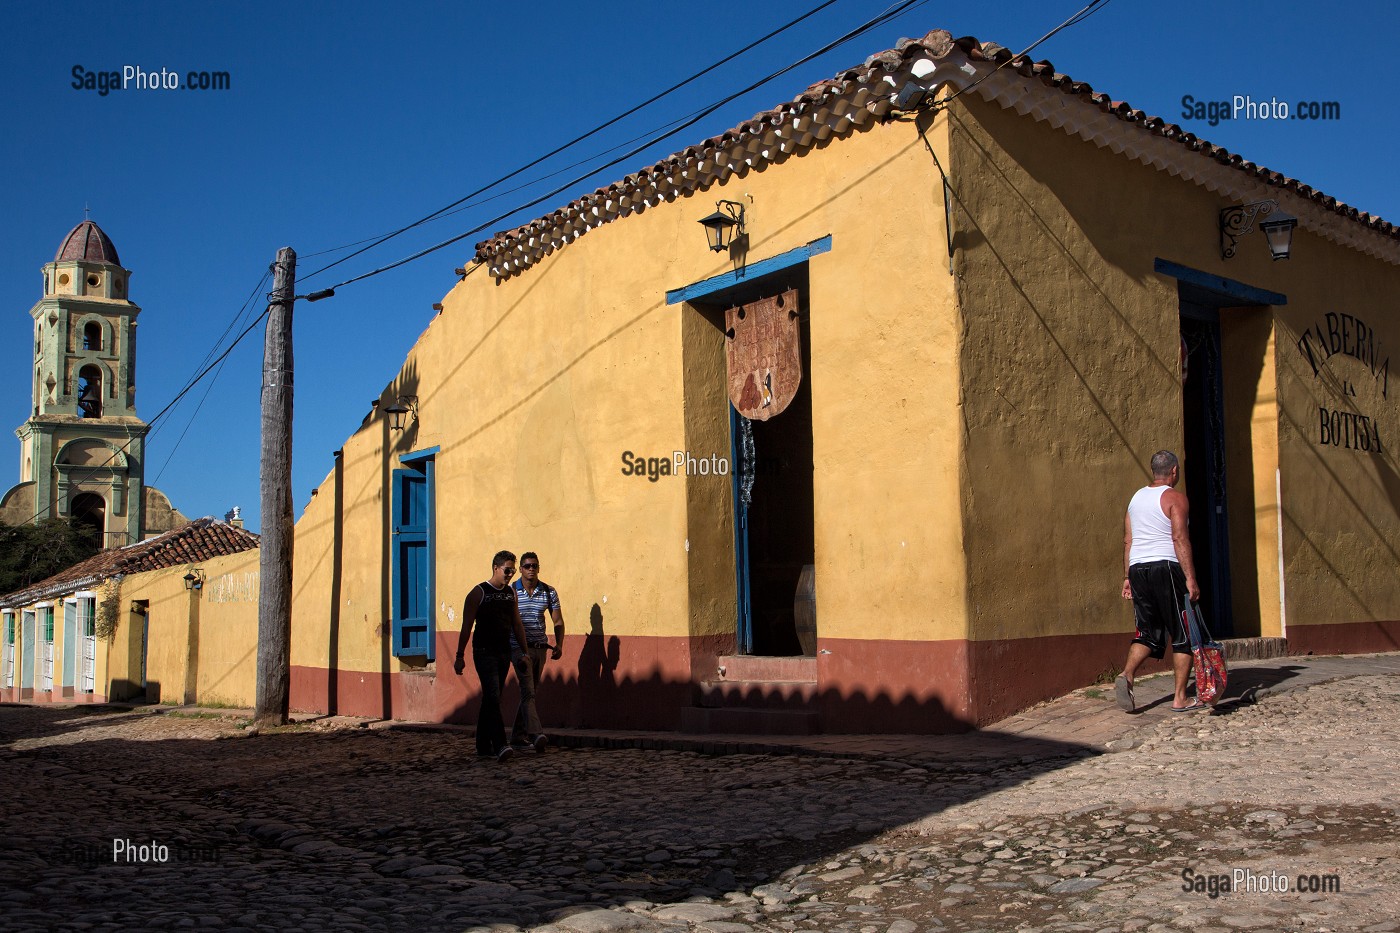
(774,540)
(89,510)
(778,520)
(1203,459)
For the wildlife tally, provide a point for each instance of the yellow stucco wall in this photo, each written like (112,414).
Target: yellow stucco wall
(1341,534)
(534,387)
(228,630)
(170,608)
(201,644)
(1071,381)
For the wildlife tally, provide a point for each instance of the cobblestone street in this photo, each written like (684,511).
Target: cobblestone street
(330,826)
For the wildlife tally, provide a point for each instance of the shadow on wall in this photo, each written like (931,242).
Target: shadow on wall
(1344,499)
(393,443)
(122,690)
(598,688)
(597,667)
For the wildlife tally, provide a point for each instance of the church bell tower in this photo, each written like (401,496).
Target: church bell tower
(83,448)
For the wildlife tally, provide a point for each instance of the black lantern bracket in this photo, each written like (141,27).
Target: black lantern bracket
(194,580)
(1238,221)
(726,223)
(399,411)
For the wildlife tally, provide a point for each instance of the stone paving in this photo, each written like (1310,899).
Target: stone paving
(1048,824)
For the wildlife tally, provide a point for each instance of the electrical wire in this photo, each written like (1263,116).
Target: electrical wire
(152,422)
(218,341)
(210,387)
(891,13)
(1074,20)
(576,140)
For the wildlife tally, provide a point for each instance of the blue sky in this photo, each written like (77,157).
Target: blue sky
(345,120)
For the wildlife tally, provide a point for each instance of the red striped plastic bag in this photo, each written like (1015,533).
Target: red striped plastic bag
(1207,657)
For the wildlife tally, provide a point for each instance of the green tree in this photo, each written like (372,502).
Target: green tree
(31,553)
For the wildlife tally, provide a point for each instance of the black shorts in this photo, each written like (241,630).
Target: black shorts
(1159,596)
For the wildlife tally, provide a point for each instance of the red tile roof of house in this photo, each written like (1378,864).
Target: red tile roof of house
(200,540)
(853,98)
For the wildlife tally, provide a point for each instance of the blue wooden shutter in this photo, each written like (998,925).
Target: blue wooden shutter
(27,646)
(70,641)
(413,564)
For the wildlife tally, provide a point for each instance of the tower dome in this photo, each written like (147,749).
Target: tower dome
(86,242)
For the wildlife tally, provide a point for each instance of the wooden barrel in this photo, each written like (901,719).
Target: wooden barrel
(804,611)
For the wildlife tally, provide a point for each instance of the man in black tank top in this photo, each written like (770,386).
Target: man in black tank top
(492,608)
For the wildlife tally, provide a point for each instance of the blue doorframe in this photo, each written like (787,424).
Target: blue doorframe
(414,563)
(711,291)
(712,286)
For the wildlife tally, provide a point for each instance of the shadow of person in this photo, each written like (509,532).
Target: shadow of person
(597,664)
(613,657)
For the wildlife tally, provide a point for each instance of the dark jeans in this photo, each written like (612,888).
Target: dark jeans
(490,727)
(528,670)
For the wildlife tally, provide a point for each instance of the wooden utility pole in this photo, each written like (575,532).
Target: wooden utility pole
(275,552)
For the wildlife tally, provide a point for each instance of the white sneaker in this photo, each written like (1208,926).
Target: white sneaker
(540,742)
(505,754)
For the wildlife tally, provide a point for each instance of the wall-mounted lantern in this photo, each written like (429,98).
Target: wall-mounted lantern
(724,224)
(399,411)
(194,580)
(1238,222)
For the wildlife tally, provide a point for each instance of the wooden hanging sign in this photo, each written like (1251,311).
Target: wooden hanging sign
(764,353)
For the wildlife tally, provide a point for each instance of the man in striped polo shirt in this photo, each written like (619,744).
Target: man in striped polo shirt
(535,598)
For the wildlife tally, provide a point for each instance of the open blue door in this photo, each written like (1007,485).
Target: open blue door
(413,562)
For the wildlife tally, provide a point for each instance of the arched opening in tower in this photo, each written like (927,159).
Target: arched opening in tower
(90,392)
(92,336)
(89,511)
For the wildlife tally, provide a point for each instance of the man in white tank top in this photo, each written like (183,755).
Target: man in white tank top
(1159,577)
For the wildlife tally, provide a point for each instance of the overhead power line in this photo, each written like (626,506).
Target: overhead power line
(571,143)
(189,385)
(1074,20)
(210,387)
(889,14)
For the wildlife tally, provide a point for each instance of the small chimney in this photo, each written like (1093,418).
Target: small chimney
(234,517)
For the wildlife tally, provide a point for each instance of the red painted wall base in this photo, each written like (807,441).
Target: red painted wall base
(863,686)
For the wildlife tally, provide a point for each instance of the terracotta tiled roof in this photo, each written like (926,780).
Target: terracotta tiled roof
(88,243)
(200,540)
(1045,72)
(856,96)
